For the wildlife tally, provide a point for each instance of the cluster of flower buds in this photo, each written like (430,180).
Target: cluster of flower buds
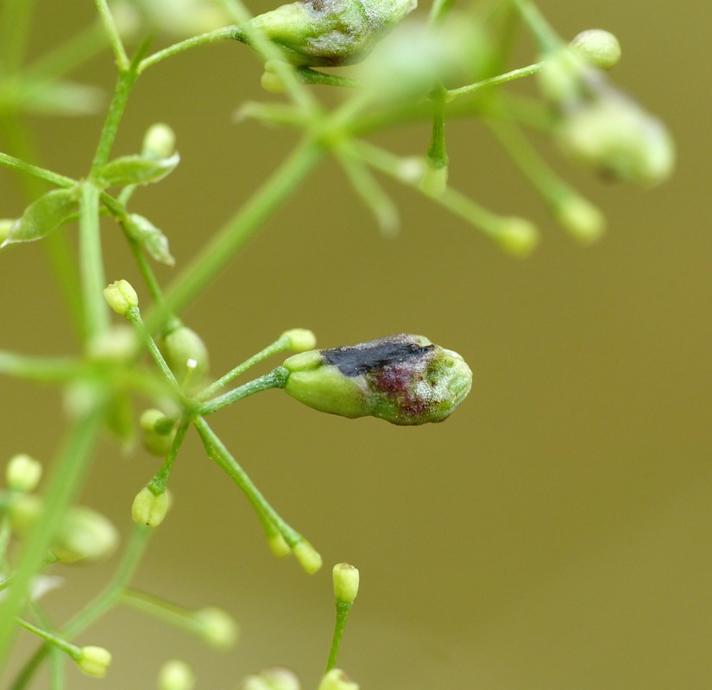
(329,32)
(404,379)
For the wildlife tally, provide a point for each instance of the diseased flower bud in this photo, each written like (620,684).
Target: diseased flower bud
(94,661)
(615,136)
(330,32)
(176,675)
(23,473)
(186,355)
(159,141)
(218,628)
(150,509)
(272,679)
(337,680)
(121,297)
(600,48)
(404,379)
(300,339)
(346,582)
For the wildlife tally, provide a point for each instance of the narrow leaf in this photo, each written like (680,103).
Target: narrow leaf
(151,239)
(43,216)
(129,170)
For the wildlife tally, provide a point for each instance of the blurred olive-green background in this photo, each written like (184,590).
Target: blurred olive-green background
(555,534)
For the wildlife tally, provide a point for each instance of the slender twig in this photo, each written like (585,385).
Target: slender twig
(112,32)
(513,75)
(274,379)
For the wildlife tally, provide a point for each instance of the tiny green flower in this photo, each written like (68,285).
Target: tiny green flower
(150,509)
(23,473)
(217,627)
(176,675)
(346,582)
(159,141)
(600,48)
(330,32)
(404,379)
(186,355)
(518,236)
(94,661)
(337,680)
(121,297)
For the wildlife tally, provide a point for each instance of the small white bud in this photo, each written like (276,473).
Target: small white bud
(600,48)
(346,582)
(307,556)
(300,339)
(411,170)
(94,661)
(176,675)
(217,627)
(337,680)
(121,297)
(23,473)
(150,509)
(159,141)
(518,236)
(581,218)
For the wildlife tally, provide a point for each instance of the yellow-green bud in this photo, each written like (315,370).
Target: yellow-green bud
(272,679)
(278,545)
(581,218)
(5,227)
(404,379)
(121,297)
(94,661)
(23,473)
(300,339)
(561,75)
(518,236)
(270,80)
(150,509)
(116,344)
(218,628)
(186,355)
(307,556)
(157,432)
(337,680)
(330,32)
(434,180)
(176,675)
(159,141)
(346,581)
(600,48)
(84,535)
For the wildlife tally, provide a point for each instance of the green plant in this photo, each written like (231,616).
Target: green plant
(448,66)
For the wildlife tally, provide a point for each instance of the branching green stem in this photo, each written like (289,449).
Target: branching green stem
(163,610)
(513,75)
(274,379)
(112,32)
(56,179)
(157,485)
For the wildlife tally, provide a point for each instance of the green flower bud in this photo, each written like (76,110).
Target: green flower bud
(434,181)
(404,379)
(157,432)
(278,545)
(5,226)
(337,680)
(176,675)
(613,135)
(346,581)
(331,32)
(159,141)
(84,535)
(94,661)
(121,297)
(218,628)
(300,339)
(307,556)
(561,76)
(581,218)
(272,679)
(518,236)
(186,355)
(600,48)
(23,473)
(150,509)
(116,344)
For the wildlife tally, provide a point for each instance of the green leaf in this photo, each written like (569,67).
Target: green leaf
(129,170)
(151,239)
(43,216)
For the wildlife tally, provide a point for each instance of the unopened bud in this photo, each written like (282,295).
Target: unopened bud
(307,556)
(5,227)
(278,545)
(300,339)
(115,344)
(600,48)
(581,218)
(186,355)
(159,141)
(176,675)
(121,297)
(404,379)
(218,628)
(94,661)
(271,81)
(272,679)
(434,180)
(337,680)
(23,473)
(518,236)
(150,509)
(346,581)
(84,535)
(157,432)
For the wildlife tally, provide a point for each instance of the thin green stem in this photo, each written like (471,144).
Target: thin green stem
(312,76)
(112,33)
(157,485)
(342,615)
(437,153)
(42,369)
(546,36)
(5,534)
(14,163)
(70,468)
(91,261)
(163,610)
(67,647)
(274,379)
(216,36)
(134,317)
(513,75)
(223,458)
(218,252)
(439,10)
(14,32)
